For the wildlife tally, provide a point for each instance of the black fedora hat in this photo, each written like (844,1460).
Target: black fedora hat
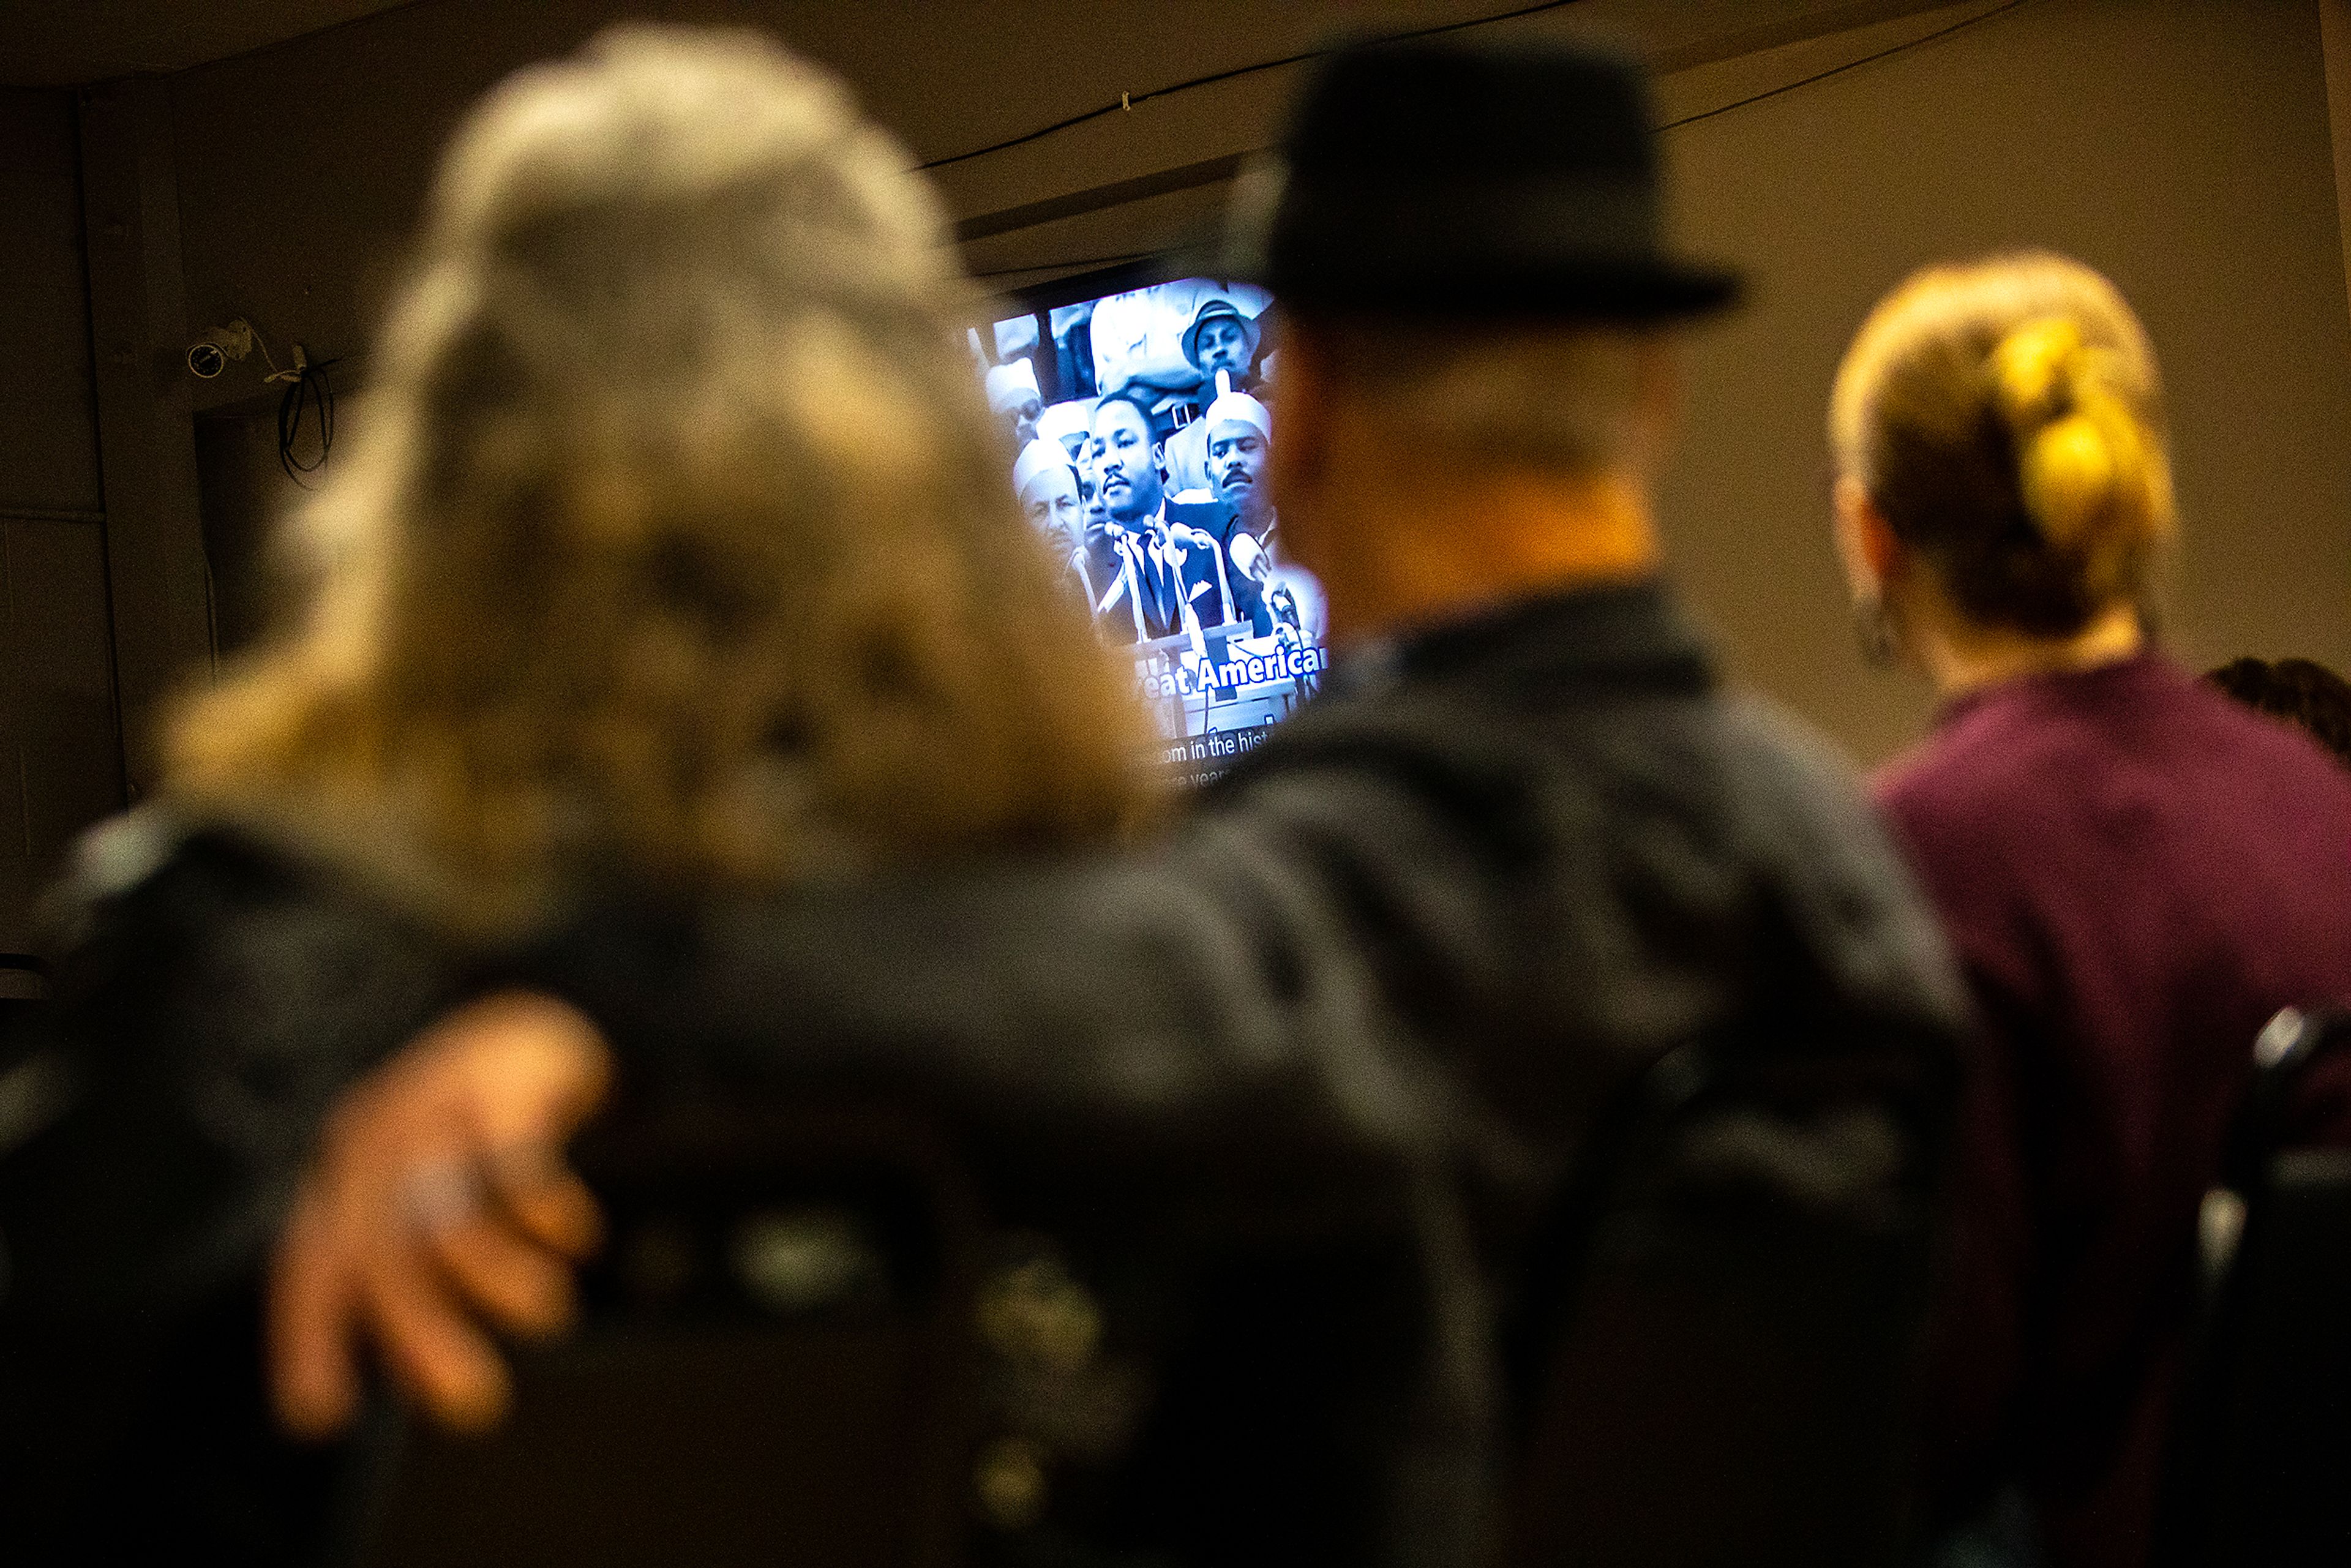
(1446,178)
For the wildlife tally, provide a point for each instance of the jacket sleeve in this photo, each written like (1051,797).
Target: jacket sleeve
(1396,941)
(1239,977)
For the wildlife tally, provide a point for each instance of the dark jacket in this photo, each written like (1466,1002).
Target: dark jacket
(1372,998)
(1196,574)
(212,997)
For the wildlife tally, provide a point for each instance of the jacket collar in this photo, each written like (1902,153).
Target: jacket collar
(1623,634)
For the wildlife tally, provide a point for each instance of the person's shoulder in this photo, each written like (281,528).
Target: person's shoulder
(1919,780)
(195,934)
(1213,517)
(125,853)
(1795,806)
(2265,747)
(1995,758)
(158,889)
(1373,754)
(1779,771)
(1475,744)
(150,859)
(2023,750)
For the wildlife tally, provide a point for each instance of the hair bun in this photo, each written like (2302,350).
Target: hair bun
(2079,451)
(2032,371)
(2068,473)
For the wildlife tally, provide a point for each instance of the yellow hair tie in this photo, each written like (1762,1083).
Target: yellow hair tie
(2068,476)
(2032,368)
(2079,448)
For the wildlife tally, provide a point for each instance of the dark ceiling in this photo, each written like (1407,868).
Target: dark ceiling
(64,42)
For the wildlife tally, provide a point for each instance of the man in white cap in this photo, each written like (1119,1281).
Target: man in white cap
(1239,434)
(1236,438)
(1012,393)
(1048,488)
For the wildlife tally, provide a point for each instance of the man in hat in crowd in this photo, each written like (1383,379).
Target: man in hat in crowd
(1220,345)
(1222,339)
(1012,393)
(1145,336)
(1366,1010)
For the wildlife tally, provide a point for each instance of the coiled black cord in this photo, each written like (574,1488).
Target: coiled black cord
(312,396)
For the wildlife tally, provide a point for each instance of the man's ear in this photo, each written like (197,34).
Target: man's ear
(1866,546)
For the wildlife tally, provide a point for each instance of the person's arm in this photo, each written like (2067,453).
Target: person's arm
(1187,993)
(1341,966)
(1161,373)
(1211,1009)
(437,1205)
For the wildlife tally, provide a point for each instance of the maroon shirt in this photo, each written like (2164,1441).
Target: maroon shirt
(2136,874)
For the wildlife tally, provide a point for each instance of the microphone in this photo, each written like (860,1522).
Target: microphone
(1249,557)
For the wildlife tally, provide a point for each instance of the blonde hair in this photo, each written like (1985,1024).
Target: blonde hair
(2006,417)
(675,544)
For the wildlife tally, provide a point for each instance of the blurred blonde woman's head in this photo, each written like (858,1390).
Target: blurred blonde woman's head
(2005,418)
(675,541)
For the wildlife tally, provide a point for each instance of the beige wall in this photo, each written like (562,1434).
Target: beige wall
(2184,150)
(300,167)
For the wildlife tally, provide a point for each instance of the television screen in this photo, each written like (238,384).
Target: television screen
(1139,415)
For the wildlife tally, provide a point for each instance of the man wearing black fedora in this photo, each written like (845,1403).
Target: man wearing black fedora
(1335,1077)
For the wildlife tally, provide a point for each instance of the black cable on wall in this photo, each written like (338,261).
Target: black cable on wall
(1080,265)
(1127,100)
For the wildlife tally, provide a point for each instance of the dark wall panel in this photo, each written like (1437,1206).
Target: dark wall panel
(245,497)
(69,758)
(60,763)
(48,448)
(60,758)
(302,168)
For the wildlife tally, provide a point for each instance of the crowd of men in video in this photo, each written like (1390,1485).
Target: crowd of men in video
(1142,450)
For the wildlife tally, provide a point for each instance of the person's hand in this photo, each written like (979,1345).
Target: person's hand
(439,1205)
